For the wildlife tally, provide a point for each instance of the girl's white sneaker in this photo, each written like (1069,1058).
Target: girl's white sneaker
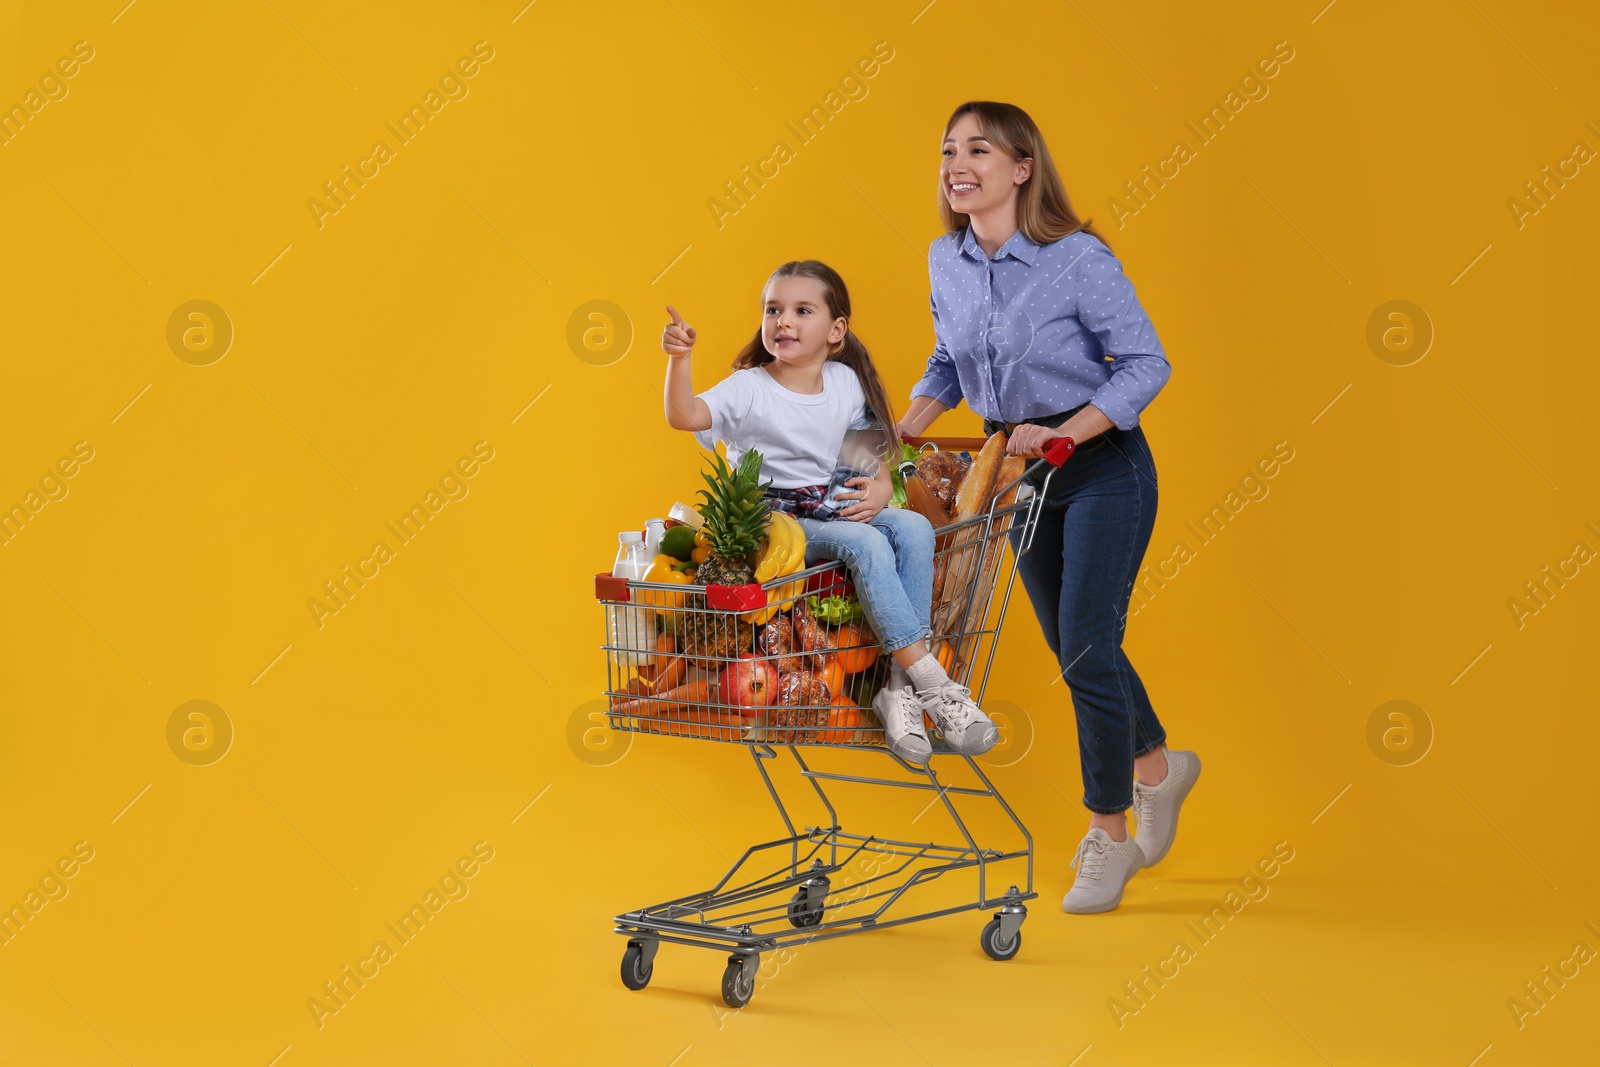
(900,712)
(966,729)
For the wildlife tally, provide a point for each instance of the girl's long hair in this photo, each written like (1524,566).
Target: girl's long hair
(1043,211)
(852,353)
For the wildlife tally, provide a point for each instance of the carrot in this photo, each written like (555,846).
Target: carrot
(719,725)
(681,698)
(654,679)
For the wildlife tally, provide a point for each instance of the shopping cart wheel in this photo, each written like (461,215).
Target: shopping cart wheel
(803,911)
(739,981)
(994,943)
(636,969)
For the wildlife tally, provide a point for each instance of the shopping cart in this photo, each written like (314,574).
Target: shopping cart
(665,645)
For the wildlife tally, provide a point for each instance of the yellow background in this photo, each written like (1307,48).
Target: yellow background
(430,312)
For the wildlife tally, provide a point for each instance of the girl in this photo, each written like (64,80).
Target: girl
(1083,365)
(798,385)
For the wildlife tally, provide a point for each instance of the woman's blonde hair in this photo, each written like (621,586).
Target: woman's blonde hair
(852,352)
(1043,211)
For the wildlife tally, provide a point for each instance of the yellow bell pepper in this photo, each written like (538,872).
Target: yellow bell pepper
(661,571)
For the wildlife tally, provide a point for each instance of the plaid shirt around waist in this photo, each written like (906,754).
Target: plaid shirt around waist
(806,502)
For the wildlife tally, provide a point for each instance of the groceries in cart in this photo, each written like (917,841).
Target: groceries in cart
(727,635)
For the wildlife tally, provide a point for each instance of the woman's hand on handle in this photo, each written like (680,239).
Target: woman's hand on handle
(1029,440)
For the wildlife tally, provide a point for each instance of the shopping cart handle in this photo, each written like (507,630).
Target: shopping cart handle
(947,444)
(1057,451)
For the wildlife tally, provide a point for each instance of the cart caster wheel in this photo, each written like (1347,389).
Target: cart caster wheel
(737,986)
(994,947)
(636,970)
(802,912)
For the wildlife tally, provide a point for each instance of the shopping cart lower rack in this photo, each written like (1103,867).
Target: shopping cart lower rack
(668,645)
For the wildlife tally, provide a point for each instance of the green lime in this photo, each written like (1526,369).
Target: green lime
(678,542)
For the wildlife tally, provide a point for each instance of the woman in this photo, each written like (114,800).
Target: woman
(1040,332)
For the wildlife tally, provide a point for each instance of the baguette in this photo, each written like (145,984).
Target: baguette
(973,499)
(978,486)
(1010,471)
(974,553)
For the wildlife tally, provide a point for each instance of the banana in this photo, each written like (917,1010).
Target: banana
(795,561)
(784,553)
(773,556)
(775,552)
(794,542)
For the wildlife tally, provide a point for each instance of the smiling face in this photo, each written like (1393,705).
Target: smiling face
(796,325)
(976,176)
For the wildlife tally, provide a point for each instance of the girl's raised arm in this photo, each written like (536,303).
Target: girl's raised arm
(685,411)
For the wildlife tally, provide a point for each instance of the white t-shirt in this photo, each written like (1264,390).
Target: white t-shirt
(797,434)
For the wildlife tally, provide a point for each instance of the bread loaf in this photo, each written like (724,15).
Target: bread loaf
(1010,470)
(977,488)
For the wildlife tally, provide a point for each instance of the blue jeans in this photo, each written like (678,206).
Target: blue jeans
(1079,574)
(891,562)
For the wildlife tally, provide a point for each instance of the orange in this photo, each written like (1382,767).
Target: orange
(832,675)
(858,648)
(844,718)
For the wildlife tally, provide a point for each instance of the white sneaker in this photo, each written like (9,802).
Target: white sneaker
(1155,807)
(1104,867)
(901,715)
(965,728)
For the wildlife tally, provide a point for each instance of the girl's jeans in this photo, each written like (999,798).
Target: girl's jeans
(891,562)
(1079,573)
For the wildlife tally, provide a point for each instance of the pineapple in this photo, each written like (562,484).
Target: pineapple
(735,515)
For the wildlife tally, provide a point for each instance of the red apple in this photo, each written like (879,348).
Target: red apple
(749,682)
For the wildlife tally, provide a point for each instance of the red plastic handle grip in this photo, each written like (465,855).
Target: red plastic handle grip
(1057,451)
